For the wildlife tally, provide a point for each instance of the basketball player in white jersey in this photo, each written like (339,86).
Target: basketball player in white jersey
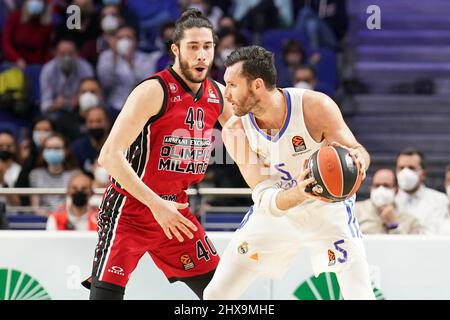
(272,133)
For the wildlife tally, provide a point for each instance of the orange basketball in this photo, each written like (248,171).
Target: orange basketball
(337,175)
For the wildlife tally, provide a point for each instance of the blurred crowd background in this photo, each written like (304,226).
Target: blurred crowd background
(61,90)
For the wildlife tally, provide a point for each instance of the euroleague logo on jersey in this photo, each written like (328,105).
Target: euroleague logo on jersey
(298,143)
(212,96)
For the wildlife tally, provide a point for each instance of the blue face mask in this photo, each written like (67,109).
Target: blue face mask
(111,2)
(53,156)
(35,7)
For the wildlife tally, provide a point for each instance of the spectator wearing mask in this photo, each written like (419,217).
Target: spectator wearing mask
(293,55)
(41,129)
(75,214)
(27,34)
(9,166)
(122,67)
(101,180)
(378,215)
(87,148)
(427,205)
(305,77)
(60,79)
(54,168)
(86,36)
(90,95)
(110,21)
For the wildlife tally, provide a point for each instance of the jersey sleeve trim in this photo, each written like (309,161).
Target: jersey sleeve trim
(220,94)
(164,104)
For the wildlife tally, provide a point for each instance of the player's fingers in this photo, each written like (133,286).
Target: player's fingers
(188,223)
(304,174)
(167,233)
(308,181)
(185,230)
(177,234)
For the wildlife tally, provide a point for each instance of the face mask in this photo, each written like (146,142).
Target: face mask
(225,53)
(101,175)
(111,2)
(97,133)
(110,23)
(79,199)
(407,179)
(39,136)
(123,46)
(382,196)
(88,100)
(53,157)
(303,85)
(67,64)
(6,155)
(35,7)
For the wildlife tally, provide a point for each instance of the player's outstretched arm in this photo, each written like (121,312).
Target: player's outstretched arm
(144,102)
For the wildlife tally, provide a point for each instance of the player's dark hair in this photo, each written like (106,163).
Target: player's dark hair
(412,152)
(257,63)
(191,18)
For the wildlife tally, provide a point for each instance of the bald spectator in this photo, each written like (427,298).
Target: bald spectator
(378,215)
(427,205)
(87,148)
(75,214)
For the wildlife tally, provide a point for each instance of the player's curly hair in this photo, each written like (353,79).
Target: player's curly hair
(191,18)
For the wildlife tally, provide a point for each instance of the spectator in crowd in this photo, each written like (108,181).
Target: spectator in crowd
(379,214)
(86,36)
(212,12)
(324,21)
(60,79)
(427,205)
(87,148)
(9,166)
(75,214)
(101,180)
(227,22)
(163,56)
(89,95)
(54,168)
(41,128)
(27,34)
(293,55)
(110,21)
(122,67)
(304,77)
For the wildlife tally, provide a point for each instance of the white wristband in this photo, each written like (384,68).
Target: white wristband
(266,201)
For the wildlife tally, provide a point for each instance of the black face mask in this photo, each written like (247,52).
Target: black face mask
(79,199)
(97,133)
(6,155)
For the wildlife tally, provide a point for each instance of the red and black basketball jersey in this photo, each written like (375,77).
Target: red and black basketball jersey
(174,148)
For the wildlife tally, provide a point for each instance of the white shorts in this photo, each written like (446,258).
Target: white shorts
(268,245)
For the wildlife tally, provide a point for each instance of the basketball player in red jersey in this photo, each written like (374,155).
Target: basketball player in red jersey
(161,144)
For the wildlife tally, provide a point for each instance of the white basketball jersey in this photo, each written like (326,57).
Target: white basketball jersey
(285,153)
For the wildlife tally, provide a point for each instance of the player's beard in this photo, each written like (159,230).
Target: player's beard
(250,103)
(187,72)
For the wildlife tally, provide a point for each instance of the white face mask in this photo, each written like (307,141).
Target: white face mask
(382,196)
(101,175)
(303,85)
(123,46)
(407,179)
(109,23)
(88,100)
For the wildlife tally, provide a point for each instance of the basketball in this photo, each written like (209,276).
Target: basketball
(337,175)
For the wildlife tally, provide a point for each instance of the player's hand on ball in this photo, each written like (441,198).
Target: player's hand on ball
(172,221)
(357,157)
(302,183)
